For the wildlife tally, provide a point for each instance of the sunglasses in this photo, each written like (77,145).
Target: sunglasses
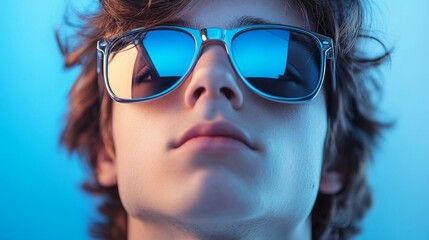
(278,62)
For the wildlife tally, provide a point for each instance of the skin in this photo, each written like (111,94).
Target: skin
(217,187)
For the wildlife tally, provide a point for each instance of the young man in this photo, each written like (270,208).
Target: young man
(224,119)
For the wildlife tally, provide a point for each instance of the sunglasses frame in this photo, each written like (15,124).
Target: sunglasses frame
(224,37)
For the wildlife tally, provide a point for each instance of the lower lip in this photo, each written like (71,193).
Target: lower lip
(206,143)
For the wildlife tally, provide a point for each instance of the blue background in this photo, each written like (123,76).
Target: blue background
(40,198)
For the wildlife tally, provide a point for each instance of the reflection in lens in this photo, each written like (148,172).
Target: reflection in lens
(278,62)
(146,80)
(150,64)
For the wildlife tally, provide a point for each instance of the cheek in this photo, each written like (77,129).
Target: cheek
(137,144)
(295,150)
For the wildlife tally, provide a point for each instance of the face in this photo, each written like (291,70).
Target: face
(212,151)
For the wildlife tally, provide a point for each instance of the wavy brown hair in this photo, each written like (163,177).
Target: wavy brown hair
(353,124)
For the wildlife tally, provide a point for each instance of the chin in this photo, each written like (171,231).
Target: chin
(216,196)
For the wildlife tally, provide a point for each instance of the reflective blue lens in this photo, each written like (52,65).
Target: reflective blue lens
(164,56)
(149,63)
(170,51)
(278,62)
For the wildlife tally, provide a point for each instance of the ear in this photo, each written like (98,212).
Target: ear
(106,169)
(331,181)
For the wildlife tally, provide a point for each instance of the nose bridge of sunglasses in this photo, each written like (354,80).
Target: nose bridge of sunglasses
(212,34)
(215,36)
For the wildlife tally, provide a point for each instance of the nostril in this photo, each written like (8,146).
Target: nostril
(229,94)
(198,92)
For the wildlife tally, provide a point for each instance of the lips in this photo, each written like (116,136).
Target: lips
(216,129)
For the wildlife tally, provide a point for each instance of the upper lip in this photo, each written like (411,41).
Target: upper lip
(215,129)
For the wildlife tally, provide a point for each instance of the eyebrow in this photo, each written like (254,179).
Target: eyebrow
(242,21)
(248,20)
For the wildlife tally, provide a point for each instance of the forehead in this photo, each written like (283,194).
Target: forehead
(233,13)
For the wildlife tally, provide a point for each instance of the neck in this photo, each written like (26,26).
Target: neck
(166,229)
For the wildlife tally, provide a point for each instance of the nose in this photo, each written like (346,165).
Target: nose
(214,79)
